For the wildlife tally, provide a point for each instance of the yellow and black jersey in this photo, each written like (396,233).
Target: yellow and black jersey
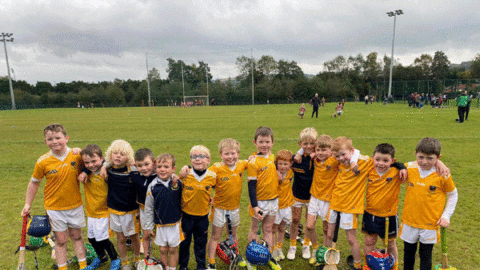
(425,198)
(62,190)
(228,186)
(285,194)
(196,193)
(96,190)
(324,179)
(383,193)
(263,170)
(349,191)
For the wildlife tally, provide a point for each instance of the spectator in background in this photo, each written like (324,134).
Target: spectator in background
(315,102)
(462,102)
(366,99)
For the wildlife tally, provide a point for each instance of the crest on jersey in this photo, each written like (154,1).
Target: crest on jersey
(73,164)
(389,180)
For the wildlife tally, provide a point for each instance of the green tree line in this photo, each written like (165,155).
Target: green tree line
(273,81)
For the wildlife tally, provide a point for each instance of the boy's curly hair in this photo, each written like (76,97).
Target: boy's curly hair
(285,155)
(429,146)
(230,144)
(308,133)
(342,143)
(55,128)
(123,147)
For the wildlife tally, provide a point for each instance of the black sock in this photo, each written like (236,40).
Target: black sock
(425,256)
(98,249)
(409,255)
(108,246)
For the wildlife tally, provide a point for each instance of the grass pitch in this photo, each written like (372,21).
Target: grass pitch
(176,130)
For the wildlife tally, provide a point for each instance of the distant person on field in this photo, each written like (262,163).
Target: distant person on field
(301,111)
(339,110)
(323,101)
(62,198)
(429,203)
(315,101)
(366,99)
(462,102)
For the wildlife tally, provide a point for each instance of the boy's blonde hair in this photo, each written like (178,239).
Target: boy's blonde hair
(229,143)
(123,147)
(284,155)
(55,128)
(165,158)
(308,133)
(201,149)
(324,141)
(263,131)
(429,146)
(91,150)
(342,143)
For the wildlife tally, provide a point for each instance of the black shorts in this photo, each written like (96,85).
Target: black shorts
(376,225)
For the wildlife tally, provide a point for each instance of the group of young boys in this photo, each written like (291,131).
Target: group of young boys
(328,177)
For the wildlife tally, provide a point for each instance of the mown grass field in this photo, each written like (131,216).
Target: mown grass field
(176,130)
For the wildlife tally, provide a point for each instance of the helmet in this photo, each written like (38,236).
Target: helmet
(379,261)
(227,252)
(257,253)
(39,226)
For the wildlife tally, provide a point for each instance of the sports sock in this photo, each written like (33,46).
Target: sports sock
(409,255)
(306,242)
(279,245)
(108,246)
(125,261)
(315,246)
(293,242)
(425,253)
(357,264)
(98,249)
(63,267)
(211,260)
(82,264)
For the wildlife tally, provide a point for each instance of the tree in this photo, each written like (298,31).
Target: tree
(371,67)
(289,70)
(174,70)
(440,65)
(43,87)
(244,65)
(267,65)
(475,67)
(153,74)
(422,66)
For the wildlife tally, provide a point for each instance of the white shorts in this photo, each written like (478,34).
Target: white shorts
(347,221)
(219,219)
(126,224)
(298,204)
(169,235)
(269,208)
(413,235)
(318,207)
(63,219)
(284,214)
(142,218)
(98,228)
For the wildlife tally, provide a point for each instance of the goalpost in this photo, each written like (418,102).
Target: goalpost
(190,101)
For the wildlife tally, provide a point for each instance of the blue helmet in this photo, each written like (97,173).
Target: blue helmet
(257,254)
(379,261)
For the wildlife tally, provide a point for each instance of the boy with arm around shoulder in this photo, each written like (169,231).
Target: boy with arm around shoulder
(196,196)
(430,201)
(263,189)
(62,198)
(122,198)
(163,211)
(96,209)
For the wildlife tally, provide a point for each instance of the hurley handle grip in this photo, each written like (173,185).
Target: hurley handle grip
(23,240)
(443,237)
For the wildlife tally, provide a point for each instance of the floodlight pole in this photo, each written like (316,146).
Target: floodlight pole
(148,82)
(5,40)
(253,87)
(206,75)
(394,15)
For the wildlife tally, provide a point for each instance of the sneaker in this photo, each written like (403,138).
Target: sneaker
(280,255)
(291,252)
(274,254)
(242,263)
(313,258)
(211,266)
(115,264)
(94,265)
(306,252)
(274,264)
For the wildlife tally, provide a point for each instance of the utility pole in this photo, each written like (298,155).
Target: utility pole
(5,40)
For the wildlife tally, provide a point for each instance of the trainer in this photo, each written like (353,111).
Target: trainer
(315,101)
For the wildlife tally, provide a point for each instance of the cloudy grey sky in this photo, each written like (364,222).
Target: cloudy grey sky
(100,40)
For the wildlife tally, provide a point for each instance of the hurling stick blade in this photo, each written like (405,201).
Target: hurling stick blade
(52,244)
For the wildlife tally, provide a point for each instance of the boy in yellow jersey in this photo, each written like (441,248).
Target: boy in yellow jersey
(122,198)
(163,210)
(302,182)
(196,196)
(383,189)
(263,189)
(326,169)
(285,201)
(62,198)
(96,209)
(430,201)
(228,189)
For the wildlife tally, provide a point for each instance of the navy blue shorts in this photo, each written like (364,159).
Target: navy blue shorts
(376,225)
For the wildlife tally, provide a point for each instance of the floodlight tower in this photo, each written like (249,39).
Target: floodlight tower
(394,15)
(5,39)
